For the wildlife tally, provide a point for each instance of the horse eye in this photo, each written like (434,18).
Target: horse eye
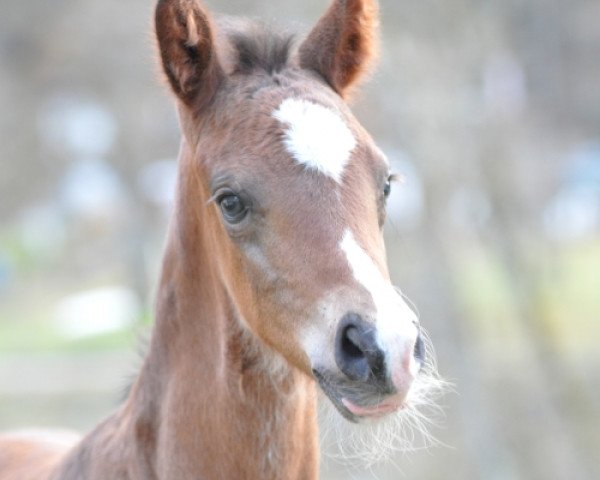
(387,189)
(233,208)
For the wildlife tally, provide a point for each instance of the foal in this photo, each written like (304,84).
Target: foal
(274,277)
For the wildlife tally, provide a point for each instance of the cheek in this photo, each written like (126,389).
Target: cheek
(261,273)
(272,306)
(276,281)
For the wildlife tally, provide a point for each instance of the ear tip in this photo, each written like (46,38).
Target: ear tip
(180,6)
(161,14)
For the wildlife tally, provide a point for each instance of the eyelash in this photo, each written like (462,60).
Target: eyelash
(387,189)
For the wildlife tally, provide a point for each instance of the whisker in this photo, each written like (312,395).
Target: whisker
(378,440)
(410,303)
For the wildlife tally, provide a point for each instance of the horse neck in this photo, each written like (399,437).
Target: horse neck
(211,400)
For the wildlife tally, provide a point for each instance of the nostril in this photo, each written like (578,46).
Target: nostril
(351,343)
(349,353)
(357,353)
(419,351)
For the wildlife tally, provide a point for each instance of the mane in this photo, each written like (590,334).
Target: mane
(254,46)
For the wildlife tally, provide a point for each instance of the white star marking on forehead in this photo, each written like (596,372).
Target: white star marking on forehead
(316,137)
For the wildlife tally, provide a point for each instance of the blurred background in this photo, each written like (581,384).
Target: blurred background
(489,110)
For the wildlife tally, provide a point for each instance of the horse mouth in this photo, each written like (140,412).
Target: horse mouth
(356,406)
(374,411)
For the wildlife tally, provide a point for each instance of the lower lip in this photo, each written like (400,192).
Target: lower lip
(372,411)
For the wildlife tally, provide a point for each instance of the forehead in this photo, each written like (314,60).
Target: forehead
(306,127)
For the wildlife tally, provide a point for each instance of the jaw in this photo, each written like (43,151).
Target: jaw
(362,439)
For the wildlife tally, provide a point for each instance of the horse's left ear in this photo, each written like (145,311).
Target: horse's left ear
(184,32)
(343,44)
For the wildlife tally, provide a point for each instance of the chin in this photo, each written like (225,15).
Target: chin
(362,428)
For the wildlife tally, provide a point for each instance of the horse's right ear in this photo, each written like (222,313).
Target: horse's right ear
(343,44)
(187,49)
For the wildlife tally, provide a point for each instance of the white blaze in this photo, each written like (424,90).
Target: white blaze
(316,136)
(396,329)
